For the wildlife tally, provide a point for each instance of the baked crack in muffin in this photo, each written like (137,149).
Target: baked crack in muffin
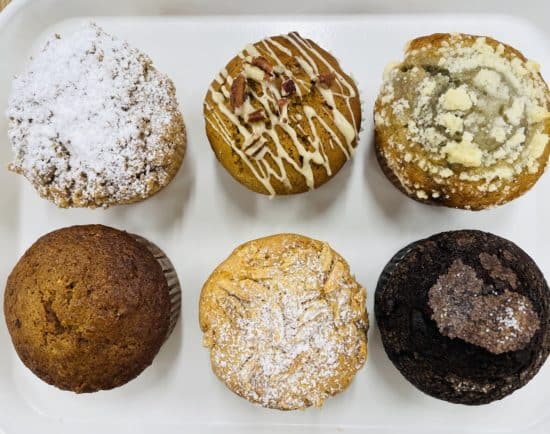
(282,117)
(93,123)
(285,322)
(89,307)
(463,121)
(464,316)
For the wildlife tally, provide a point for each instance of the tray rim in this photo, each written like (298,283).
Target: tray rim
(17,6)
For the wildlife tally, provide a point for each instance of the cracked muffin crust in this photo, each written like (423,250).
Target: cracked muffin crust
(285,322)
(282,117)
(93,123)
(464,316)
(88,307)
(463,121)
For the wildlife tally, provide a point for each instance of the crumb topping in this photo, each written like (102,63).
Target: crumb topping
(90,119)
(469,112)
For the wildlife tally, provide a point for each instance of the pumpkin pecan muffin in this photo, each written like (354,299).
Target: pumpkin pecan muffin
(93,123)
(463,121)
(285,322)
(89,307)
(464,316)
(282,117)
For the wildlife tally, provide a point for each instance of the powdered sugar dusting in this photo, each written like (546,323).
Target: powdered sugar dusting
(286,326)
(92,122)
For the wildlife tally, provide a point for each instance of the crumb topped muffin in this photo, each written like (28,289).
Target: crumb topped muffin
(463,121)
(464,316)
(285,322)
(89,307)
(93,123)
(282,117)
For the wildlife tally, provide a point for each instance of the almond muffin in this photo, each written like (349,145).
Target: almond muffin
(285,322)
(93,123)
(282,117)
(464,316)
(89,307)
(463,121)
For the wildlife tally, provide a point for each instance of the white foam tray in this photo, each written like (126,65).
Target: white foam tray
(203,214)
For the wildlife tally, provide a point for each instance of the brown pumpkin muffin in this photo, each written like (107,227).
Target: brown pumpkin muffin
(285,322)
(93,123)
(88,307)
(282,117)
(463,121)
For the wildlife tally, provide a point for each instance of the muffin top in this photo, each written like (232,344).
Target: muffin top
(467,117)
(285,322)
(87,308)
(93,123)
(282,117)
(464,315)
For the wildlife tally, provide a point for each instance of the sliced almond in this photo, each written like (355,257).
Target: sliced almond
(238,89)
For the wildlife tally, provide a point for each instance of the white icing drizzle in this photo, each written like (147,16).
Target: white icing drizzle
(261,149)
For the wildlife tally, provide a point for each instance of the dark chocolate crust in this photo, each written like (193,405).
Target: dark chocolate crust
(87,308)
(453,369)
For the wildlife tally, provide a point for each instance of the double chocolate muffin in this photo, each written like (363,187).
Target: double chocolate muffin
(464,316)
(89,307)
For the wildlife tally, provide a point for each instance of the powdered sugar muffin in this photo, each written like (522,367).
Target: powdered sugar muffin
(285,322)
(463,121)
(93,123)
(282,117)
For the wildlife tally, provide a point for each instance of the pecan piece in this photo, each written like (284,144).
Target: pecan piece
(238,88)
(288,88)
(262,63)
(282,102)
(326,79)
(256,116)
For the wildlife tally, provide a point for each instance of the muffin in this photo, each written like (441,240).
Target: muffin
(93,123)
(282,117)
(285,322)
(463,121)
(89,307)
(464,316)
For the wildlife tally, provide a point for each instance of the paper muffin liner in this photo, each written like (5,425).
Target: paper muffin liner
(174,287)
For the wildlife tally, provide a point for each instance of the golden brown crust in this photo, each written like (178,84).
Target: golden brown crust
(270,66)
(414,169)
(285,322)
(87,308)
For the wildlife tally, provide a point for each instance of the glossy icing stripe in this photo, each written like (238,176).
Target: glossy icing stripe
(262,148)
